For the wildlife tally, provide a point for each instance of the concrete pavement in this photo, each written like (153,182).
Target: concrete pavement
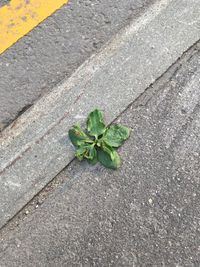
(54,50)
(35,148)
(147,213)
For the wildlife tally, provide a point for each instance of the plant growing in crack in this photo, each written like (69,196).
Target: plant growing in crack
(98,142)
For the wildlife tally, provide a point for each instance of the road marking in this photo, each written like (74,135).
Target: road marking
(20,16)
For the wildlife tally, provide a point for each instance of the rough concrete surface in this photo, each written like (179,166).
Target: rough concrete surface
(147,213)
(120,73)
(54,49)
(29,148)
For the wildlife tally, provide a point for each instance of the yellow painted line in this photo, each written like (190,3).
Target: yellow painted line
(20,16)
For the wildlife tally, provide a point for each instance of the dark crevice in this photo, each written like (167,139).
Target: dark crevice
(5,124)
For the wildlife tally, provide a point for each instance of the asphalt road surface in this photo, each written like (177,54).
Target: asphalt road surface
(54,49)
(147,213)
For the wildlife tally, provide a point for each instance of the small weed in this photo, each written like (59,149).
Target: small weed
(98,142)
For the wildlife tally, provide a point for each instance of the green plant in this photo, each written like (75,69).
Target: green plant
(98,142)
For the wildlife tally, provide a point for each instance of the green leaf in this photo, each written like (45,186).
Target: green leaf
(91,152)
(115,135)
(94,160)
(80,152)
(95,123)
(78,137)
(108,157)
(86,151)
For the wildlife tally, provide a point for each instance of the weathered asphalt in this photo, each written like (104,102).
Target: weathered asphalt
(146,213)
(35,148)
(54,49)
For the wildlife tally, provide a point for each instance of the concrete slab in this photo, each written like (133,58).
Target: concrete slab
(35,148)
(54,50)
(146,213)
